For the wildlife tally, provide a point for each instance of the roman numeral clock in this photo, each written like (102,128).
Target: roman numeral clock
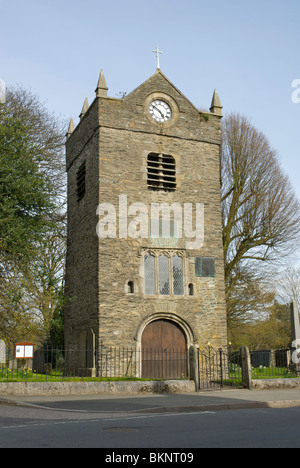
(160,111)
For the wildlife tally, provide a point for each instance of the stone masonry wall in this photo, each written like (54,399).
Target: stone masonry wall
(114,138)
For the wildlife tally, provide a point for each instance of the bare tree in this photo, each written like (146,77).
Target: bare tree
(288,284)
(261,214)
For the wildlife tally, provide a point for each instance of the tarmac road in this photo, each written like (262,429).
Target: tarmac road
(214,419)
(225,399)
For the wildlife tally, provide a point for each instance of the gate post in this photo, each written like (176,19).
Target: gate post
(194,366)
(246,367)
(221,367)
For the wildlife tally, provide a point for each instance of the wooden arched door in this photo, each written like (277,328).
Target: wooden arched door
(164,351)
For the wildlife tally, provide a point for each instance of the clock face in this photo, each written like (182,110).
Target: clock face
(160,111)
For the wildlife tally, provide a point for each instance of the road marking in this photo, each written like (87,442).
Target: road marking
(22,426)
(159,415)
(146,416)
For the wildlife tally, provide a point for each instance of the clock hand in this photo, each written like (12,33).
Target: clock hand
(154,107)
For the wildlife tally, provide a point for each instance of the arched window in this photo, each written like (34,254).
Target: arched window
(130,287)
(177,270)
(163,274)
(191,289)
(149,271)
(164,280)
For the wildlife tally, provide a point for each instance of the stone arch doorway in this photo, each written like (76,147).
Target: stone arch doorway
(164,350)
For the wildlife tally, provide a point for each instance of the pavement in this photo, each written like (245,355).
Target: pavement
(167,403)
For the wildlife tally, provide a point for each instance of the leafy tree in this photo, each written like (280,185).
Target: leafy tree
(271,331)
(25,196)
(32,215)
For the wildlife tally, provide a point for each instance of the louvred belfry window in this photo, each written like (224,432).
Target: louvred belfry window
(81,182)
(161,172)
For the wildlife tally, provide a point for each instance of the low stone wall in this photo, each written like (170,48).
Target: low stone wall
(273,384)
(95,388)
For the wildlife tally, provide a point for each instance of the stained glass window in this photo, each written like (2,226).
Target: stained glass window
(164,282)
(163,274)
(177,275)
(149,274)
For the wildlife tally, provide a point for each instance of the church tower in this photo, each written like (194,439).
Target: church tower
(145,265)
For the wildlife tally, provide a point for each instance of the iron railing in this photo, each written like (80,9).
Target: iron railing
(216,368)
(273,364)
(104,363)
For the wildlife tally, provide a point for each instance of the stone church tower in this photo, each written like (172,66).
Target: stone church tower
(144,260)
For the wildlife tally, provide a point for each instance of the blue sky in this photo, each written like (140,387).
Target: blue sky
(249,51)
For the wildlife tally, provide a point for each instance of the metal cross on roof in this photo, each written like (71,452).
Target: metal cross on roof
(157,52)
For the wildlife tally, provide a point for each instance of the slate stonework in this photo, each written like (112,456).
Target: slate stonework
(113,139)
